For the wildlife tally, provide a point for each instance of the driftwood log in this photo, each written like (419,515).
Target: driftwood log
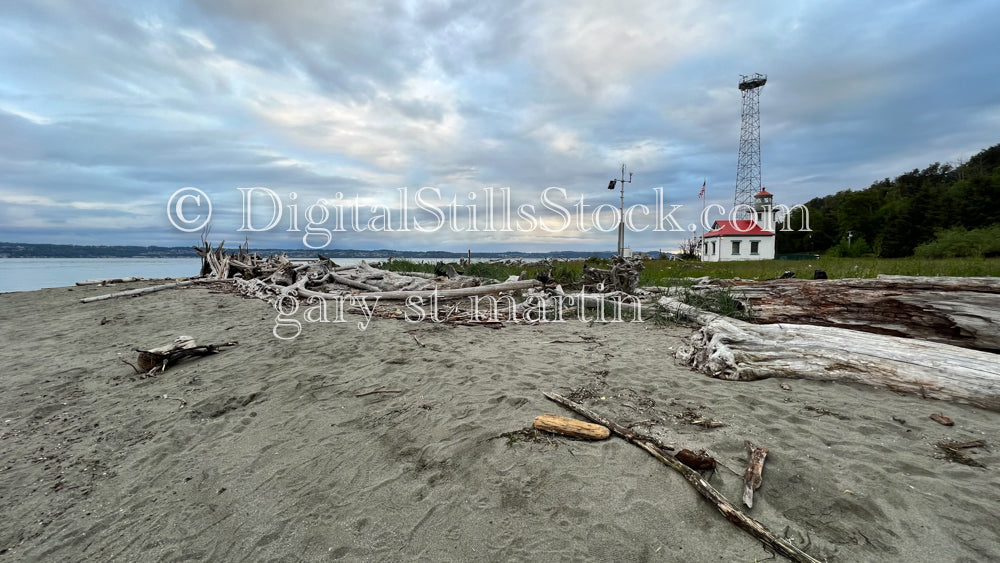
(960,311)
(143,290)
(157,360)
(571,427)
(730,349)
(730,511)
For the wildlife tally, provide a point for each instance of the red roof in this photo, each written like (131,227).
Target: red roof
(736,228)
(764,192)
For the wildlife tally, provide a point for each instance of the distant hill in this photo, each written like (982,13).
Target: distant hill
(892,217)
(25,250)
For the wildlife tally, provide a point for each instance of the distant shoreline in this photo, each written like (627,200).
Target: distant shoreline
(32,250)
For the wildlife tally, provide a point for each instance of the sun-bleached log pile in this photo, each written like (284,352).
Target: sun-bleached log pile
(959,311)
(727,348)
(273,277)
(622,276)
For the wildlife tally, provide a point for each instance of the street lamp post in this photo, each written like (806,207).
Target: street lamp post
(621,210)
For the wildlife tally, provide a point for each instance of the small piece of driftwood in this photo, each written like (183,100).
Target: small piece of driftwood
(730,511)
(953,451)
(695,461)
(156,360)
(377,391)
(963,445)
(752,478)
(942,419)
(571,427)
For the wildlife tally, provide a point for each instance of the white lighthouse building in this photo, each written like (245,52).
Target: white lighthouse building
(743,239)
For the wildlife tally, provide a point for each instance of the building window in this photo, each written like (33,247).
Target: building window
(755,247)
(736,248)
(713,248)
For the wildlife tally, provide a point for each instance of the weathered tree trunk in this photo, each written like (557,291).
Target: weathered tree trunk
(959,311)
(730,349)
(158,359)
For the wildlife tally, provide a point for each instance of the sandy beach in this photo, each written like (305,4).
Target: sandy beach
(266,452)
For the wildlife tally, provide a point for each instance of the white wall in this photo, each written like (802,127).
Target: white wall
(724,248)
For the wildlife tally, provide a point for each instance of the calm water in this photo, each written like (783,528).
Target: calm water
(28,274)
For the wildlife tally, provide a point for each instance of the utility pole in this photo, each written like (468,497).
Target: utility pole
(621,210)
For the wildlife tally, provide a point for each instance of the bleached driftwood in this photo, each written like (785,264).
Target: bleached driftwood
(351,283)
(960,311)
(623,275)
(730,349)
(429,293)
(156,360)
(109,281)
(143,290)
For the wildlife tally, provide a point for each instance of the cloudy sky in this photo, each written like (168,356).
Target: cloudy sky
(108,109)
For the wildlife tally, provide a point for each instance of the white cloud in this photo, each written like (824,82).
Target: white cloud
(316,98)
(30,116)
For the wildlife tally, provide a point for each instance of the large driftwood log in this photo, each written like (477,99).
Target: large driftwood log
(960,311)
(730,511)
(731,349)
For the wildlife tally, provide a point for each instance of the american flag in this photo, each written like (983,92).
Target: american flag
(701,194)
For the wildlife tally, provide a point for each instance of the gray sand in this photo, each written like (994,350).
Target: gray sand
(265,452)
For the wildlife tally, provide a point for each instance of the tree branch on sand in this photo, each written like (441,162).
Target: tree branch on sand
(730,511)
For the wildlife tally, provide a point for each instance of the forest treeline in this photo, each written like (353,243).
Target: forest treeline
(892,218)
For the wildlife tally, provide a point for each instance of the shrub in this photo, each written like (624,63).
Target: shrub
(960,243)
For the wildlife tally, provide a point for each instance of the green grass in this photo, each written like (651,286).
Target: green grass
(398,265)
(668,272)
(567,273)
(674,272)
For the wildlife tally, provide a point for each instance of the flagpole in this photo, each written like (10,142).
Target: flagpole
(701,219)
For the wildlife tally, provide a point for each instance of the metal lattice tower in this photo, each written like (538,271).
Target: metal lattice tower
(748,181)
